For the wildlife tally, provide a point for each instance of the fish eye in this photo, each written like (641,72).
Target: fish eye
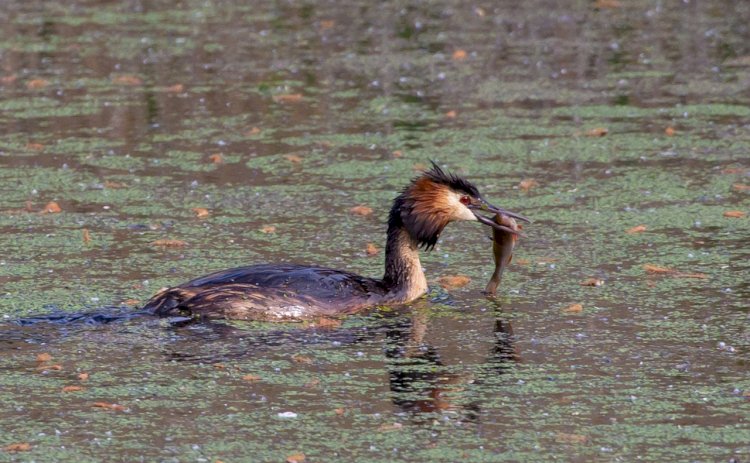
(465,200)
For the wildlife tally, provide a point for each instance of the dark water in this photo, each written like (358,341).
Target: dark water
(119,112)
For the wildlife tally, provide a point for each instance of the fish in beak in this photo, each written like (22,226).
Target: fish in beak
(504,238)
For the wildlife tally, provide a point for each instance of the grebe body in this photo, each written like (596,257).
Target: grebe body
(272,292)
(290,292)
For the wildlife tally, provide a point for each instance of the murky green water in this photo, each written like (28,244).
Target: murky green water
(114,110)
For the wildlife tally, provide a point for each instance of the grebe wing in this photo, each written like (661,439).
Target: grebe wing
(270,292)
(317,281)
(243,301)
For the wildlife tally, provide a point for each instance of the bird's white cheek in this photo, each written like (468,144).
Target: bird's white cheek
(465,214)
(459,211)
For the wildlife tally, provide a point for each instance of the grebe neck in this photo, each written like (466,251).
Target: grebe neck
(403,272)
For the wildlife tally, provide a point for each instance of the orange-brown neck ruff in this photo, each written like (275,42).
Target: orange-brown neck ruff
(424,210)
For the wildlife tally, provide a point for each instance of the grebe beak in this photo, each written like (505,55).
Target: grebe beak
(483,205)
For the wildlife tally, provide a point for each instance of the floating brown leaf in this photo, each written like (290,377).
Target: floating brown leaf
(35,84)
(339,411)
(169,243)
(131,301)
(592,282)
(740,187)
(575,308)
(43,357)
(295,458)
(19,447)
(109,406)
(293,158)
(565,438)
(371,249)
(734,214)
(34,146)
(83,376)
(361,210)
(251,378)
(451,114)
(56,367)
(176,88)
(326,24)
(216,158)
(113,185)
(220,366)
(651,268)
(288,98)
(528,184)
(397,154)
(597,132)
(86,235)
(297,358)
(73,388)
(201,212)
(51,208)
(670,131)
(637,229)
(253,131)
(127,79)
(453,281)
(459,55)
(659,270)
(268,229)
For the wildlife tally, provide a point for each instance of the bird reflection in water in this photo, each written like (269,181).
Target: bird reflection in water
(420,380)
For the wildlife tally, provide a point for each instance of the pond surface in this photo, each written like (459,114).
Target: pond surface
(245,133)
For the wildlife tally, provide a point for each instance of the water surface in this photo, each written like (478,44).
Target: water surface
(130,115)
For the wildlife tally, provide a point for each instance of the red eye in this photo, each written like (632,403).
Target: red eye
(465,200)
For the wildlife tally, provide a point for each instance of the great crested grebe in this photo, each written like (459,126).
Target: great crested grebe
(289,292)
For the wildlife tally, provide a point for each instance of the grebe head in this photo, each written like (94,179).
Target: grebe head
(436,198)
